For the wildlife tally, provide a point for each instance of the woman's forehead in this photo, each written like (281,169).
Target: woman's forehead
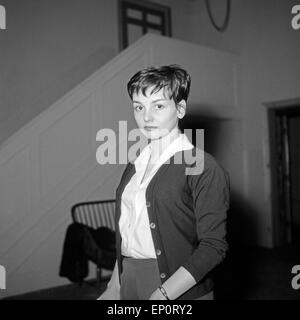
(152,94)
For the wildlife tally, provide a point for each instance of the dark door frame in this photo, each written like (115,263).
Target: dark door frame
(278,114)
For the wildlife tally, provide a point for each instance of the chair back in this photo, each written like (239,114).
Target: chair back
(95,214)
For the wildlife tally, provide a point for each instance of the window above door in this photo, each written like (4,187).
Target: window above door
(137,18)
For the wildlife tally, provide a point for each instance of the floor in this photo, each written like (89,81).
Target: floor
(259,274)
(87,291)
(248,274)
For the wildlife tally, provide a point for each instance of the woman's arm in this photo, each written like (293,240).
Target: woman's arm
(180,282)
(210,192)
(112,291)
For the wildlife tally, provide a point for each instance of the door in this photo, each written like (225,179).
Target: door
(294,143)
(284,124)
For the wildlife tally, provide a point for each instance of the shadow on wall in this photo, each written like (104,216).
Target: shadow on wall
(234,276)
(216,132)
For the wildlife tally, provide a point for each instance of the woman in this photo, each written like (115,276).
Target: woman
(170,225)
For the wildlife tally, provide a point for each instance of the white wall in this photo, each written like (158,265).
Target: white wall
(260,33)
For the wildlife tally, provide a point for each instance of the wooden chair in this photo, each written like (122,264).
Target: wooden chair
(95,214)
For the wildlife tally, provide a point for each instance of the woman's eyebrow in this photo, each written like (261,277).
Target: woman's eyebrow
(154,101)
(157,100)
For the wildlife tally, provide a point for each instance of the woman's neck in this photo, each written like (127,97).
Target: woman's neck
(159,145)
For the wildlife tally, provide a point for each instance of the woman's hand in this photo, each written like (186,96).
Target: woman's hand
(157,295)
(111,293)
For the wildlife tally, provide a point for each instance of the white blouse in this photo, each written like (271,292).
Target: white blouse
(134,221)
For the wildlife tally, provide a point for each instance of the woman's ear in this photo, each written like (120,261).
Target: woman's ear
(181,109)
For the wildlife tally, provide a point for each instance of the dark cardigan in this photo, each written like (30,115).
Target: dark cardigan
(187,215)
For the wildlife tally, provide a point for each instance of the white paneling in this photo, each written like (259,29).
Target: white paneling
(15,193)
(65,144)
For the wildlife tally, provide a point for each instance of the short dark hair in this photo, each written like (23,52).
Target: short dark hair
(172,77)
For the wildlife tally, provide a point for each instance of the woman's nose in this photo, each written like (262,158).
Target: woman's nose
(148,115)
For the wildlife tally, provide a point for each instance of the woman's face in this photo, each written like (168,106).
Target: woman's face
(156,114)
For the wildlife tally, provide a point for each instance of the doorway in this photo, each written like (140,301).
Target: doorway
(284,125)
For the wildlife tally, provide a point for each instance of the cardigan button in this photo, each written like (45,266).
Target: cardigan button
(152,225)
(162,275)
(147,204)
(158,252)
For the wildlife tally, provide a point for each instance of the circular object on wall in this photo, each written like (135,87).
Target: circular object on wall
(226,19)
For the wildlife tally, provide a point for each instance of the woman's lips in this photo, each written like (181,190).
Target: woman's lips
(150,128)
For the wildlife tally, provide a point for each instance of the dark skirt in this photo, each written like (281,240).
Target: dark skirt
(140,278)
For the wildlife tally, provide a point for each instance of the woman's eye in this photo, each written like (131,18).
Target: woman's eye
(138,108)
(159,106)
